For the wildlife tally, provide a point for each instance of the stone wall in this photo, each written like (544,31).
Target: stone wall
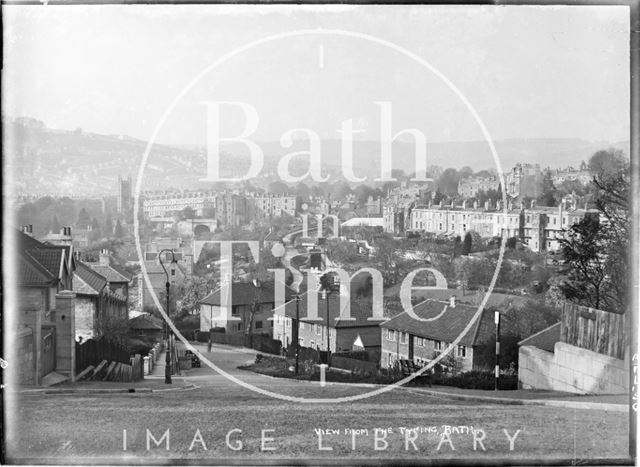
(25,354)
(85,310)
(572,369)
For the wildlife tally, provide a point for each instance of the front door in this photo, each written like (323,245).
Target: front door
(48,350)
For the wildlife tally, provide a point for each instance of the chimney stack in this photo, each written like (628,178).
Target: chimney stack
(104,257)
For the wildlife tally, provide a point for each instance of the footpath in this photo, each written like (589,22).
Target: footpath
(155,382)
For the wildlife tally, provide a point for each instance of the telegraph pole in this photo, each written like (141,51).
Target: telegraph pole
(496,318)
(297,337)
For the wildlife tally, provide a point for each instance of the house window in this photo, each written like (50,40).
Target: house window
(462,351)
(258,324)
(420,341)
(403,337)
(173,272)
(287,322)
(318,330)
(391,335)
(437,345)
(239,326)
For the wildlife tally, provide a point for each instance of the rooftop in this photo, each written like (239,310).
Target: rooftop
(445,323)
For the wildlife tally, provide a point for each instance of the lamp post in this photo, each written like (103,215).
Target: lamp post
(496,319)
(167,360)
(297,331)
(325,297)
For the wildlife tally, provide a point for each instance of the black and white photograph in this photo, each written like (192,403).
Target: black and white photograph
(320,234)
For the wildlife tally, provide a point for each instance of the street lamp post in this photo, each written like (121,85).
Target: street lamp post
(167,360)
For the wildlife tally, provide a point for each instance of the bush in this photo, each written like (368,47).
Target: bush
(476,379)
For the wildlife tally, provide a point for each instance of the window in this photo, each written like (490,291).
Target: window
(318,330)
(389,359)
(403,337)
(437,345)
(554,221)
(301,326)
(462,351)
(173,272)
(419,341)
(287,322)
(258,324)
(391,335)
(239,326)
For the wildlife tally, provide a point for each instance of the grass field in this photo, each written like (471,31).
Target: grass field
(78,428)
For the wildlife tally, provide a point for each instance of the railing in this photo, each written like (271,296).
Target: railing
(596,330)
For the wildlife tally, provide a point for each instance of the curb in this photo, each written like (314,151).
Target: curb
(81,391)
(622,408)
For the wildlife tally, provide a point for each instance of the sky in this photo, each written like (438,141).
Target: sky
(527,71)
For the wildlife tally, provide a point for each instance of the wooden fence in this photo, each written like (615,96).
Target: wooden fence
(109,361)
(596,330)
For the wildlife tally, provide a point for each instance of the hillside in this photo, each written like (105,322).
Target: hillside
(48,161)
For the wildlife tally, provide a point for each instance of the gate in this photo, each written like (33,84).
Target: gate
(48,350)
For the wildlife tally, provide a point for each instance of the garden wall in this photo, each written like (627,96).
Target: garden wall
(572,369)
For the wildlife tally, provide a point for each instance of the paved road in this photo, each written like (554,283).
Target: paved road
(89,428)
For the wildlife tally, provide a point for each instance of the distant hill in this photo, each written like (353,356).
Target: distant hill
(43,160)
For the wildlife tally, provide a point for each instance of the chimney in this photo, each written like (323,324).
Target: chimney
(104,257)
(487,205)
(452,301)
(475,204)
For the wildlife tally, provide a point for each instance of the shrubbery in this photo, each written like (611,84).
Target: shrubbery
(476,379)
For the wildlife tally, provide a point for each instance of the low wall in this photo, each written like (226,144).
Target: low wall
(572,369)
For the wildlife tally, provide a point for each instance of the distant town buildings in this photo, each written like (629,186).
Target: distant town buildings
(524,180)
(539,227)
(230,209)
(469,187)
(581,174)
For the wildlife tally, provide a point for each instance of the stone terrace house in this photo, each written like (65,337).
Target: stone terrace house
(96,305)
(45,309)
(406,338)
(342,333)
(243,295)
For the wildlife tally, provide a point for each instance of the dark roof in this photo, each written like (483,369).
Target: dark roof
(243,293)
(447,322)
(360,310)
(26,242)
(146,322)
(545,339)
(108,272)
(51,258)
(31,272)
(90,277)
